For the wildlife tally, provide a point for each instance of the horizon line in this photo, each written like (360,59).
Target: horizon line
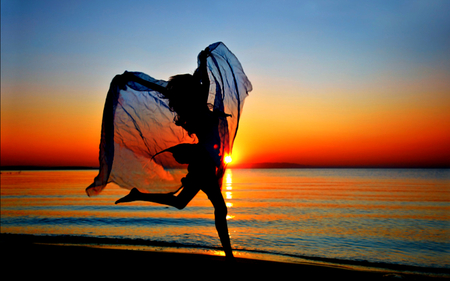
(268,165)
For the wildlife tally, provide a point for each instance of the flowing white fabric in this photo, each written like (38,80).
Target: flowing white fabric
(138,124)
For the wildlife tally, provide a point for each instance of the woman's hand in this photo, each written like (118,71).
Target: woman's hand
(204,54)
(122,80)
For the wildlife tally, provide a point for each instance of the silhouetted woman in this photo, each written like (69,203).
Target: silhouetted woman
(199,110)
(188,99)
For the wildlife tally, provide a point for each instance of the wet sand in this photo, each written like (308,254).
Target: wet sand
(26,257)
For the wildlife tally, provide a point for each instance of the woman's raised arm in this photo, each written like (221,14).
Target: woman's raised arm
(202,73)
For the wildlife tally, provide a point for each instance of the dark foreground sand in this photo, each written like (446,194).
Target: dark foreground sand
(25,257)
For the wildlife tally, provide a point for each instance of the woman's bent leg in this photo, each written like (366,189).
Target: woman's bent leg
(178,201)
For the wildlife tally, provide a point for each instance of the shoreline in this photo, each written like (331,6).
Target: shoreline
(101,255)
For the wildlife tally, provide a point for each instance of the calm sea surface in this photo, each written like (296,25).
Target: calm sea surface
(394,216)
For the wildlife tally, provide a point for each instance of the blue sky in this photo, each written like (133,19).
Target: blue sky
(163,36)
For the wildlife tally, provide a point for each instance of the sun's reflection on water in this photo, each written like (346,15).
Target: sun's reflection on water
(228,192)
(228,179)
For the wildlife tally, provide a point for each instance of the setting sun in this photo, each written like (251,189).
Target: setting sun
(228,159)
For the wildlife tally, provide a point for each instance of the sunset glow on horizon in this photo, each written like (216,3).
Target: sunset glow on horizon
(339,83)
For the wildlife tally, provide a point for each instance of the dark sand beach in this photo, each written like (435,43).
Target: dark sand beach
(26,256)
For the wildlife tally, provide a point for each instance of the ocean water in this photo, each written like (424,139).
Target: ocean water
(387,216)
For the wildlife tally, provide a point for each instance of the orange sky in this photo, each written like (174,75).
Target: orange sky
(349,130)
(333,86)
(345,129)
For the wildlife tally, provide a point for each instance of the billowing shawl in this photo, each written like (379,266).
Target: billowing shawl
(138,124)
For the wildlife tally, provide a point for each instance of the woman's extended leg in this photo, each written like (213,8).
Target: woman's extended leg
(178,201)
(220,217)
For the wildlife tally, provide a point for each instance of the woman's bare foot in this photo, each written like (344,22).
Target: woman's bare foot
(132,196)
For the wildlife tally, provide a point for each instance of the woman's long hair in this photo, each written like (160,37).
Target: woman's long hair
(185,99)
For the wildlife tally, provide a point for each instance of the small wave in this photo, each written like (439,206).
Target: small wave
(103,221)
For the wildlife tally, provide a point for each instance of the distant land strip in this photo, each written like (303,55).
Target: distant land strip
(286,165)
(41,168)
(268,165)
